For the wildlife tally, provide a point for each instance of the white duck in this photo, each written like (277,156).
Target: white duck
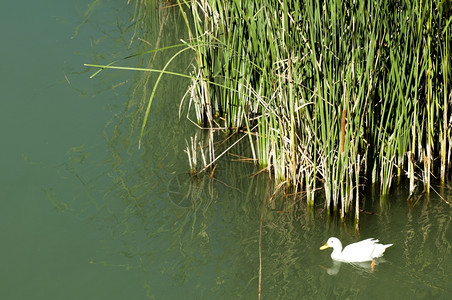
(366,250)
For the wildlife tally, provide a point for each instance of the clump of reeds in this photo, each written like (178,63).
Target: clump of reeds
(329,92)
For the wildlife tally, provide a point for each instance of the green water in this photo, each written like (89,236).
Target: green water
(86,215)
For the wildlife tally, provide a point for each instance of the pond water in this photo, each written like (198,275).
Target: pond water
(86,215)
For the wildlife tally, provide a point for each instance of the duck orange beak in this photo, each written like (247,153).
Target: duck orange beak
(324,246)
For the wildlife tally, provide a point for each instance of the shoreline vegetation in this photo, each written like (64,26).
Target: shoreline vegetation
(329,96)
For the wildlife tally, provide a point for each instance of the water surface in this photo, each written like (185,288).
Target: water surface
(86,215)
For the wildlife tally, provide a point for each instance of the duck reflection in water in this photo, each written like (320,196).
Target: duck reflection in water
(366,266)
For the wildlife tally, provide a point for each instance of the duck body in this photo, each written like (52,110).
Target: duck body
(366,250)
